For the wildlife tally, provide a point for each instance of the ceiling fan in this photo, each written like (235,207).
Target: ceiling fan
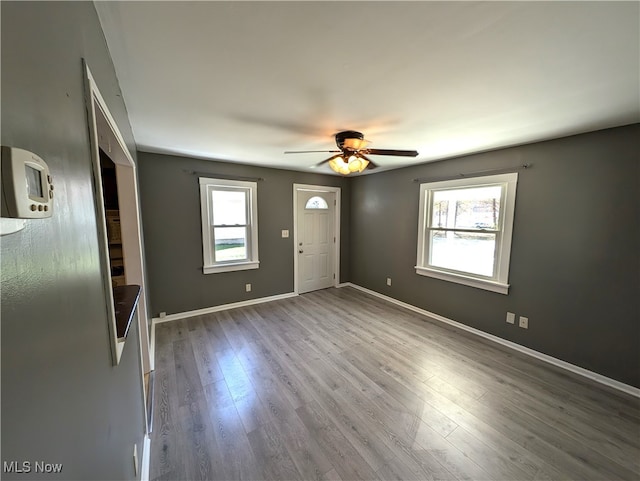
(352,156)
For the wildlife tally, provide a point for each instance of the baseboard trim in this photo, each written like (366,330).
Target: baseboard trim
(594,376)
(152,347)
(222,307)
(146,459)
(200,312)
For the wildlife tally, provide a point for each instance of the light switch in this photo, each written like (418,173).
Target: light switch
(285,233)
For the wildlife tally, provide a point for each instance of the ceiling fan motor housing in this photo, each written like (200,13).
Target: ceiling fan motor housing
(347,134)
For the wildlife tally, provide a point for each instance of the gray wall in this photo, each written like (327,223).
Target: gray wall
(62,399)
(170,204)
(575,265)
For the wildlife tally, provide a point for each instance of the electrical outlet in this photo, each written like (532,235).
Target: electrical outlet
(247,287)
(388,281)
(524,322)
(511,318)
(163,314)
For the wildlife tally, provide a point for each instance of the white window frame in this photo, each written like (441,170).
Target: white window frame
(500,281)
(207,186)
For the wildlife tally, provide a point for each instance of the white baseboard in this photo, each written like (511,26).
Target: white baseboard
(620,386)
(146,458)
(222,307)
(206,310)
(152,347)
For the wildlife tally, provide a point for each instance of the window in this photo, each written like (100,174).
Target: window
(229,225)
(316,202)
(464,230)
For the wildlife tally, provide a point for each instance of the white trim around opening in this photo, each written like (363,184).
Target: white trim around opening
(105,134)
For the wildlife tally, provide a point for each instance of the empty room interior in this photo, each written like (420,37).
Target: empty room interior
(320,240)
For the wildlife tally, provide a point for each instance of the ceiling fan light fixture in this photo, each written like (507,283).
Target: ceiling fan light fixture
(343,166)
(352,156)
(357,164)
(339,165)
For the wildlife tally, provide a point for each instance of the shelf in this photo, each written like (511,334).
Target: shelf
(125,299)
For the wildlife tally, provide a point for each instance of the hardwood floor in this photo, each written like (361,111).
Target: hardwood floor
(339,385)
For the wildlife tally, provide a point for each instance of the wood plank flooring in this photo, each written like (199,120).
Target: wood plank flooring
(340,385)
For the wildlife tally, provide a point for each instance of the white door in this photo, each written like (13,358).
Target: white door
(316,240)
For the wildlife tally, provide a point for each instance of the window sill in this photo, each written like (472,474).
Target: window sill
(236,266)
(487,285)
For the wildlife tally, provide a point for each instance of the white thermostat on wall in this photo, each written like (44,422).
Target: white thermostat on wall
(27,191)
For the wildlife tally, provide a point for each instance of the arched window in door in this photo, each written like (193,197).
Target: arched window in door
(316,202)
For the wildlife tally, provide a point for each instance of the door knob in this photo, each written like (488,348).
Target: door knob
(300,251)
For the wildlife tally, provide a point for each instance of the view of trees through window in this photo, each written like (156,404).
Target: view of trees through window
(463,228)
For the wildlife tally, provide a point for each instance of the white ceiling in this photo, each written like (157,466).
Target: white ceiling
(245,81)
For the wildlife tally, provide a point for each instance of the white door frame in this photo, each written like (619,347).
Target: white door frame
(105,134)
(336,229)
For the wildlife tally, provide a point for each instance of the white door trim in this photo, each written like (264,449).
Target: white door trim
(336,245)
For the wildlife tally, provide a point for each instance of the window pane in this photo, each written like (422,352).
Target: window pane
(471,208)
(316,202)
(229,207)
(440,215)
(230,243)
(463,251)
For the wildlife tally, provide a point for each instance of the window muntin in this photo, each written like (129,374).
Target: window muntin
(465,230)
(229,225)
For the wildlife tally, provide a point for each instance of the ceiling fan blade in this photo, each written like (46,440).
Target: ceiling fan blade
(372,164)
(398,153)
(310,151)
